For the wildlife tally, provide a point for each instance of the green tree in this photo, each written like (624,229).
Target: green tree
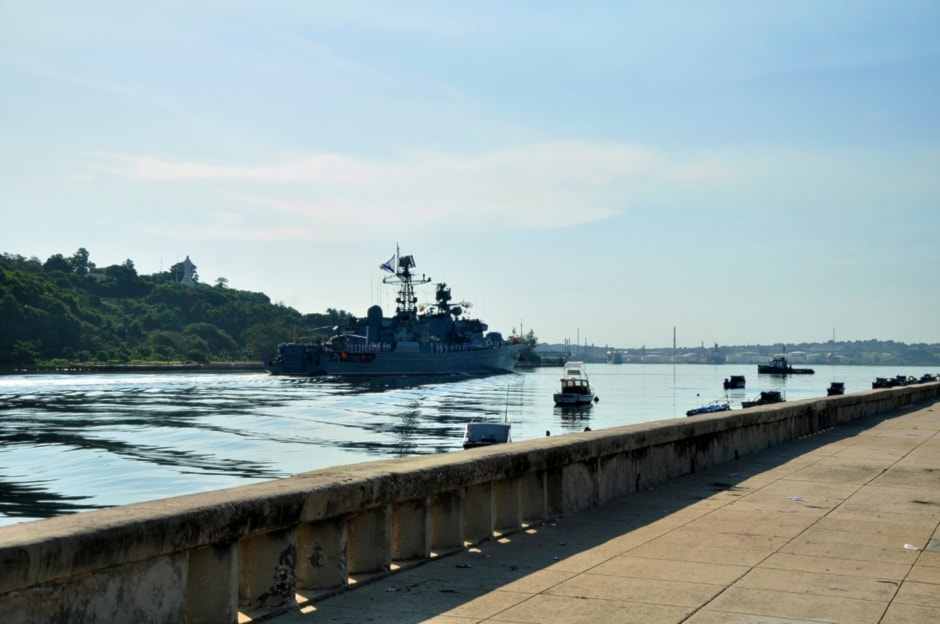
(79,262)
(23,353)
(57,262)
(528,355)
(216,342)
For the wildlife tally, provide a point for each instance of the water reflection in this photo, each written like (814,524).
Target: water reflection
(36,500)
(83,437)
(125,422)
(574,417)
(365,385)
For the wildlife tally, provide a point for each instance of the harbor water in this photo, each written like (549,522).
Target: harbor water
(70,443)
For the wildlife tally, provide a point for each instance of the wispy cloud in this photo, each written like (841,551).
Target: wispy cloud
(547,185)
(323,168)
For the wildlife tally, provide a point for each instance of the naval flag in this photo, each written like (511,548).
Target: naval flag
(389,266)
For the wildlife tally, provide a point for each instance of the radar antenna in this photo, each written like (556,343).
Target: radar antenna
(406,280)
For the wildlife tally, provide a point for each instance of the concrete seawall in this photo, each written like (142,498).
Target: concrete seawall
(238,553)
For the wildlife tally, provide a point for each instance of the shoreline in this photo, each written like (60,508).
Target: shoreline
(218,367)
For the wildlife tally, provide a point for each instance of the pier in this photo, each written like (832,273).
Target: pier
(679,520)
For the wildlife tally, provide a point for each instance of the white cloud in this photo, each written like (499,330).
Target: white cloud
(546,185)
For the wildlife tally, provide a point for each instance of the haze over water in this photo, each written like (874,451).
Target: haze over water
(71,443)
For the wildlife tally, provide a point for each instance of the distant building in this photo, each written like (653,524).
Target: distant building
(188,272)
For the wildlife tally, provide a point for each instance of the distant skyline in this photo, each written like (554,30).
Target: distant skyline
(748,173)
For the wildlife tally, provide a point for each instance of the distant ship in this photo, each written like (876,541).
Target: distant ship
(778,365)
(431,339)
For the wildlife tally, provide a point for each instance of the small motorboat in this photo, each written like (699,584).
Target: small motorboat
(768,397)
(893,382)
(735,382)
(576,389)
(835,388)
(485,433)
(711,408)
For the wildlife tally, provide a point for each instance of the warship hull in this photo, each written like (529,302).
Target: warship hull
(301,360)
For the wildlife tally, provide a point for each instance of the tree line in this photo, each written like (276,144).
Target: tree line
(67,310)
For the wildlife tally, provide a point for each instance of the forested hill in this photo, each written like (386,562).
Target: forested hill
(66,310)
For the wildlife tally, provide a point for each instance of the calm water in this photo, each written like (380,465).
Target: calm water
(76,442)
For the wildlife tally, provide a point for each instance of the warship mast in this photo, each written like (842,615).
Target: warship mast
(406,300)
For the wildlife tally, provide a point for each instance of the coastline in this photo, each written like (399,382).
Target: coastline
(214,367)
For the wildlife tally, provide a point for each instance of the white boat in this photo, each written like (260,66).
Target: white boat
(485,433)
(576,388)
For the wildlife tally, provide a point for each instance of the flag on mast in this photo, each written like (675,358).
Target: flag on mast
(390,265)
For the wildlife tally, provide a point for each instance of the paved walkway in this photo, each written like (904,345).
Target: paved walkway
(838,527)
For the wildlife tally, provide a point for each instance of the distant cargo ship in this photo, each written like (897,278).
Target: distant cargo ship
(432,339)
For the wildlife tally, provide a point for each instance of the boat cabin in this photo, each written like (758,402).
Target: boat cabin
(480,433)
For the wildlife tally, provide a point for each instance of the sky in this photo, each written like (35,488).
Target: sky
(599,172)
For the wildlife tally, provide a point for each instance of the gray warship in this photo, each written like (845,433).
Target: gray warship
(430,339)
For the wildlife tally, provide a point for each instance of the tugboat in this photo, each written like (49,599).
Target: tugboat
(433,339)
(735,382)
(778,365)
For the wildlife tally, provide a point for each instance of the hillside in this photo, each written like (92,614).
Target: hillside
(66,310)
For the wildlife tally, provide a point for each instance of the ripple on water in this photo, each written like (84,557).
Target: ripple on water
(75,442)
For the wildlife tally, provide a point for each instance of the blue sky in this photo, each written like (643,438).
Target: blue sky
(747,172)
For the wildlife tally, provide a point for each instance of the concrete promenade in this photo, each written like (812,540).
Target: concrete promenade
(841,526)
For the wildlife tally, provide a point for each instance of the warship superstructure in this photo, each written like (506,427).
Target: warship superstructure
(429,339)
